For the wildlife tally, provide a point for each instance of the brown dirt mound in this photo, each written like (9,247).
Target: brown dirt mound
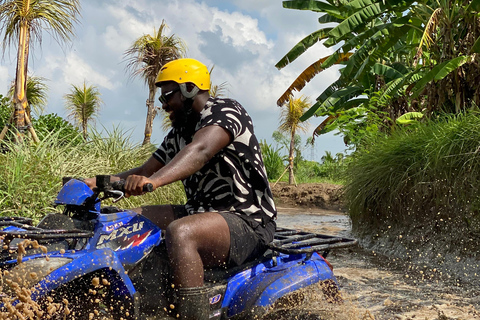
(320,195)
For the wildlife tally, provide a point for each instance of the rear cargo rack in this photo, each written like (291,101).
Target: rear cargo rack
(290,241)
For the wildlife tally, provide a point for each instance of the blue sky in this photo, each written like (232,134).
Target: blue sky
(243,39)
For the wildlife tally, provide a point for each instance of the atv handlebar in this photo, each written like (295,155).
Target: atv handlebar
(104,183)
(120,186)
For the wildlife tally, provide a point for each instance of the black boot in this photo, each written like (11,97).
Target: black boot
(192,303)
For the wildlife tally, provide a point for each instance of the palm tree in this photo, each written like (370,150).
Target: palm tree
(36,94)
(23,20)
(83,104)
(290,122)
(146,57)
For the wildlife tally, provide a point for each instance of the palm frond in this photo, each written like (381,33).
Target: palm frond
(57,17)
(149,53)
(290,115)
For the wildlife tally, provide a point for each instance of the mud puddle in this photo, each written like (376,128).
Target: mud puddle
(377,287)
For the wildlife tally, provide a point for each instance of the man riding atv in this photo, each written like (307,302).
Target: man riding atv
(229,214)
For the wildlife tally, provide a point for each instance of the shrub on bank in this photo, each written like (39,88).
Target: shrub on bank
(423,175)
(32,173)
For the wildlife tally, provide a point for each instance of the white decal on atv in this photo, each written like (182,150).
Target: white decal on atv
(113,226)
(215,299)
(120,233)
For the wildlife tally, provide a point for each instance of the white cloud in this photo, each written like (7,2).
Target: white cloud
(242,38)
(241,30)
(76,70)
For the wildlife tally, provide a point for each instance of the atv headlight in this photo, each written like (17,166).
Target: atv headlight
(30,272)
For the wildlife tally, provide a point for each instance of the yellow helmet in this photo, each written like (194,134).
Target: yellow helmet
(183,71)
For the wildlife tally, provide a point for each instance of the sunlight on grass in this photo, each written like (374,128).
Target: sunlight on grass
(33,173)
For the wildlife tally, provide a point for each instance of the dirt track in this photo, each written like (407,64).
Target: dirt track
(309,195)
(375,287)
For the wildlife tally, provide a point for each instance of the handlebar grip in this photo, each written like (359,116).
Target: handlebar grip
(120,185)
(148,187)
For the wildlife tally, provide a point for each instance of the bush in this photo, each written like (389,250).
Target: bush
(5,111)
(423,174)
(273,160)
(47,124)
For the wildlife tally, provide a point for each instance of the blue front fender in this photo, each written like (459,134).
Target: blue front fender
(84,264)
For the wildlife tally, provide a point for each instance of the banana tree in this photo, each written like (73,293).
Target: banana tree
(403,54)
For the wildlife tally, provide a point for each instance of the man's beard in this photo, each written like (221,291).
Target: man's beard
(186,120)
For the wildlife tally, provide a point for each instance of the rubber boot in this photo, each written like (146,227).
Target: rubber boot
(192,303)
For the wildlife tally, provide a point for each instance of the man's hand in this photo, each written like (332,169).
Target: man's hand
(134,185)
(91,182)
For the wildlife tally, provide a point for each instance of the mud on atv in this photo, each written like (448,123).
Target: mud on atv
(93,262)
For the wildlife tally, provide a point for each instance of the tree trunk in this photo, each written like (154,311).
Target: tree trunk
(150,114)
(19,95)
(291,178)
(20,120)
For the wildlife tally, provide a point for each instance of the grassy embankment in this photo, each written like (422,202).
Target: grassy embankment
(419,188)
(31,174)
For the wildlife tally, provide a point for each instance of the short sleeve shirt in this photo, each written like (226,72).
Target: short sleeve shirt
(235,179)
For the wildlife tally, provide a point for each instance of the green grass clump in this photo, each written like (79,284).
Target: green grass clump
(428,173)
(31,174)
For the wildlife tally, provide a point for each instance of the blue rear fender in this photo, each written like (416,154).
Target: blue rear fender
(262,286)
(104,260)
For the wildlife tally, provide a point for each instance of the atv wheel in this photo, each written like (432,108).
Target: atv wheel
(86,298)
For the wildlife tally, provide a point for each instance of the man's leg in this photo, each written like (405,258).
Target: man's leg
(161,215)
(194,242)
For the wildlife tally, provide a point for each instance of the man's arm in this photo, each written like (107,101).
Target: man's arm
(151,166)
(206,143)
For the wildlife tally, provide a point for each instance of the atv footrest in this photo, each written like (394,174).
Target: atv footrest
(290,241)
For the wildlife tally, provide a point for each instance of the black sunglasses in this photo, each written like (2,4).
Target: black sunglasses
(165,97)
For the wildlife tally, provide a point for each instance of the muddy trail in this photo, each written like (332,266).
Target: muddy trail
(375,286)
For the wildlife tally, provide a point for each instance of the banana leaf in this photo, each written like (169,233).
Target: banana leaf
(316,6)
(438,73)
(302,46)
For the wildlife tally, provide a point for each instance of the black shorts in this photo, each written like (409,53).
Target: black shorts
(245,243)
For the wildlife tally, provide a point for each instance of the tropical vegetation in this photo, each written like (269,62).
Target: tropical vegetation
(32,173)
(145,58)
(290,123)
(36,93)
(395,57)
(424,179)
(406,102)
(83,103)
(22,21)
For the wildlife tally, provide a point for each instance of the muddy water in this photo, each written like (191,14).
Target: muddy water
(377,287)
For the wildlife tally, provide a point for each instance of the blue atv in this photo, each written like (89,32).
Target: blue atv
(93,262)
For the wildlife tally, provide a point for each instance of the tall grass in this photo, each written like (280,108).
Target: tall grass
(425,174)
(31,174)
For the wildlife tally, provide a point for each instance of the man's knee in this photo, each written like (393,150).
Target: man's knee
(178,232)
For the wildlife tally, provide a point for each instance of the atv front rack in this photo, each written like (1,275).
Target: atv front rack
(290,241)
(35,233)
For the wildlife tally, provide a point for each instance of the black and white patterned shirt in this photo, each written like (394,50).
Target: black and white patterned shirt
(234,180)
